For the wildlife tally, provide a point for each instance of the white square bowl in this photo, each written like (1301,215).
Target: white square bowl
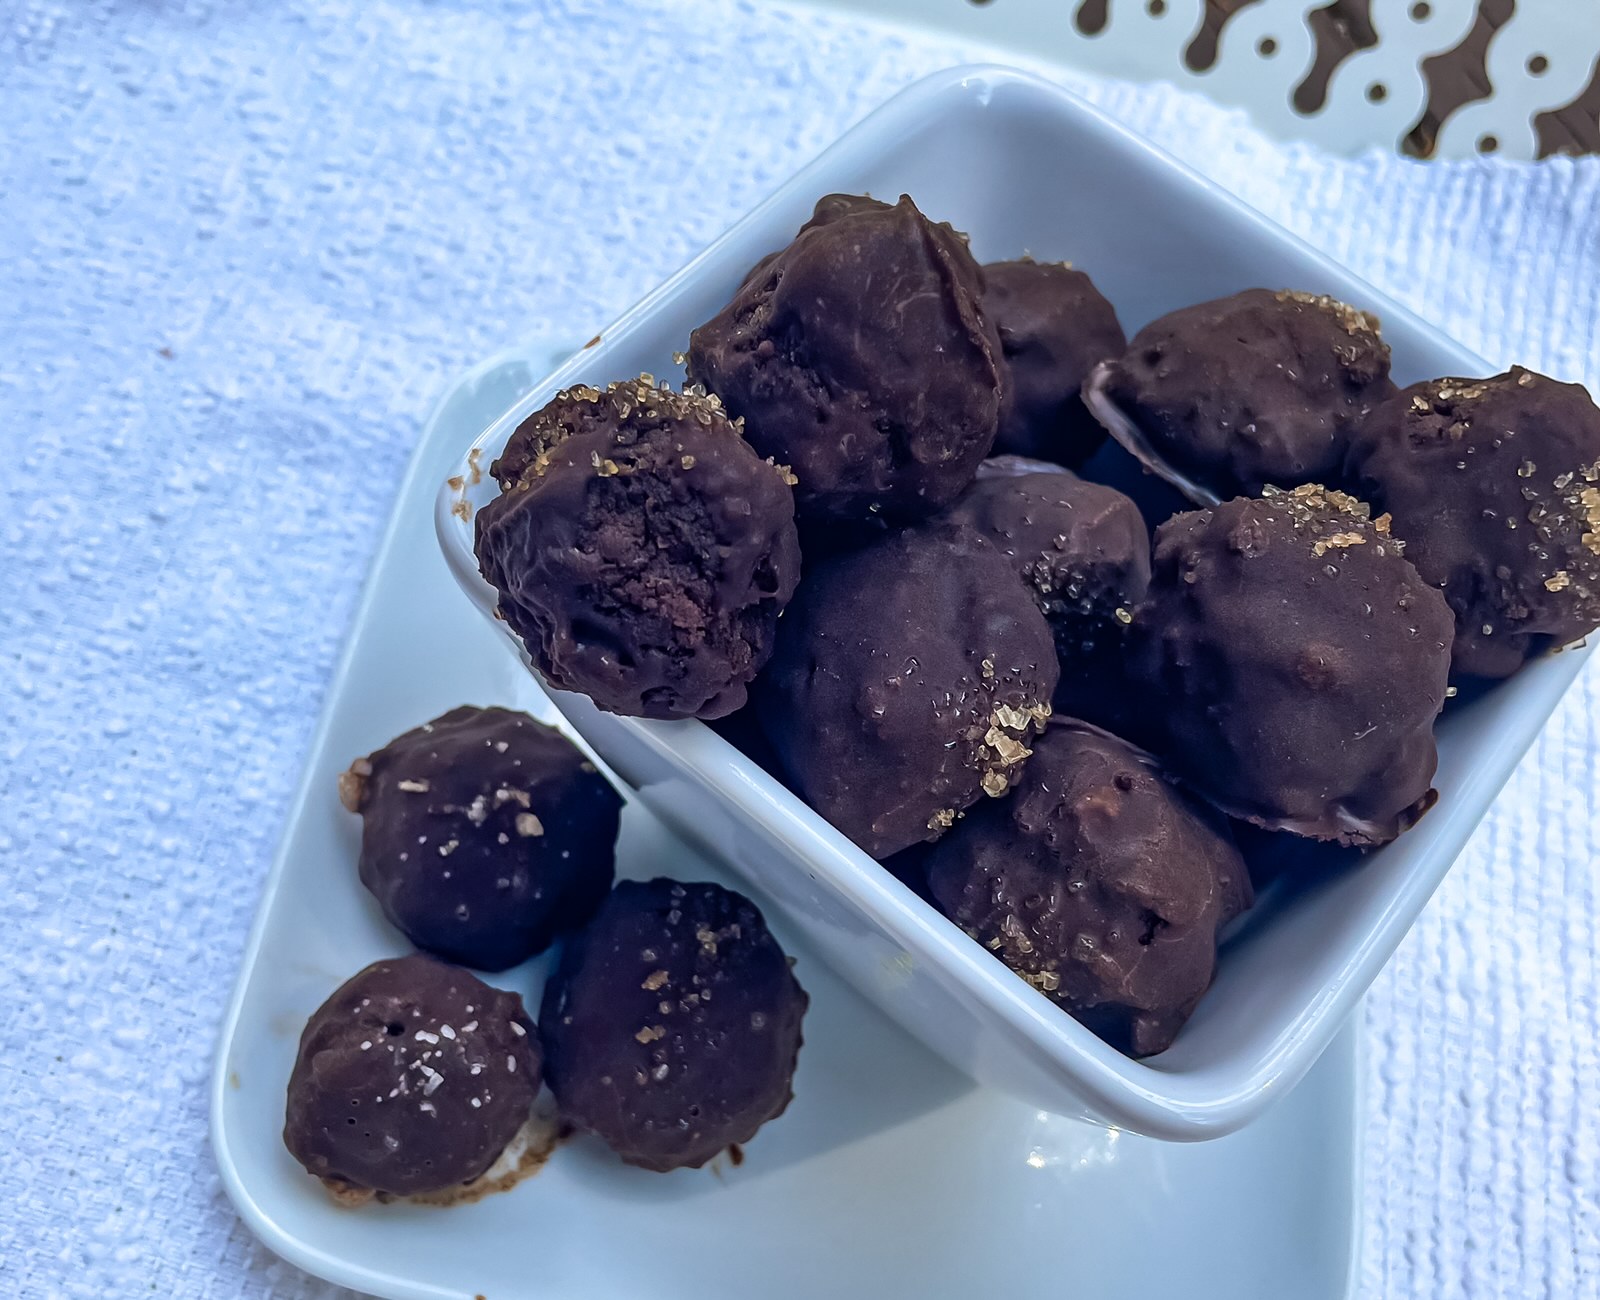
(1022,165)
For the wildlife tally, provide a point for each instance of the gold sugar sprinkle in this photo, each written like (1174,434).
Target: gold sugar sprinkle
(1351,319)
(1338,542)
(1006,716)
(1009,749)
(1452,390)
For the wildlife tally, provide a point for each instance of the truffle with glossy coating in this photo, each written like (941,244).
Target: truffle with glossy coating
(1300,662)
(909,678)
(1054,328)
(861,356)
(1495,486)
(411,1078)
(1259,388)
(484,834)
(1100,883)
(1082,551)
(672,1023)
(641,550)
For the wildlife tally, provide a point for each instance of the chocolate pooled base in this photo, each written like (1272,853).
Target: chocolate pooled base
(672,1024)
(1300,661)
(411,1078)
(861,356)
(908,680)
(484,834)
(1054,328)
(1495,486)
(642,551)
(1082,551)
(1098,882)
(1259,388)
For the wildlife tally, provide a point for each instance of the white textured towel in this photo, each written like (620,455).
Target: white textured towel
(242,248)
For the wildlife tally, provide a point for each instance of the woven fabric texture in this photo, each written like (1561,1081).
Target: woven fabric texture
(243,246)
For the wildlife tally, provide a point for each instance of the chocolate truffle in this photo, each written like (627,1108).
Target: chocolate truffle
(1100,883)
(1495,485)
(1228,396)
(1300,660)
(908,680)
(1054,328)
(411,1078)
(483,834)
(641,549)
(672,1024)
(861,356)
(1081,549)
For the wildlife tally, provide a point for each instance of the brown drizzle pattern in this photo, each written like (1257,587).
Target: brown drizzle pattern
(1340,28)
(1574,128)
(1091,17)
(1455,77)
(1201,54)
(1458,77)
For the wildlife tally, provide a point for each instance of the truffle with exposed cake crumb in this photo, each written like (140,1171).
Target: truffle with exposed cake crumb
(641,550)
(1300,662)
(1495,486)
(1054,328)
(1100,883)
(909,679)
(672,1024)
(484,834)
(1082,551)
(411,1078)
(861,355)
(1259,388)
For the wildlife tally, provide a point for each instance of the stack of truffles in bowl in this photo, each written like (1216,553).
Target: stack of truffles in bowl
(864,526)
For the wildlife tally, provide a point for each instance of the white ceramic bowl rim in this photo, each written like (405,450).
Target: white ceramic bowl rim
(1152,1096)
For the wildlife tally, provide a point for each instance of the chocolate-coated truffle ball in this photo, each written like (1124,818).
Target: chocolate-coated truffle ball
(909,677)
(1228,396)
(483,834)
(641,549)
(1300,660)
(1100,883)
(672,1024)
(411,1078)
(861,356)
(1495,486)
(1054,328)
(1082,551)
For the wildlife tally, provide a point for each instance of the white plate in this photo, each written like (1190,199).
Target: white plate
(889,1176)
(1022,165)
